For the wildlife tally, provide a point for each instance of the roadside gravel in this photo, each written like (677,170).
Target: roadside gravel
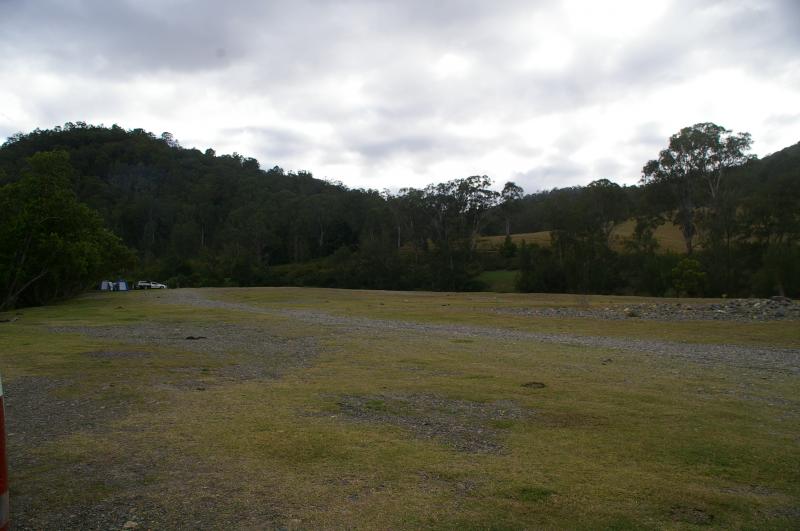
(784,360)
(740,310)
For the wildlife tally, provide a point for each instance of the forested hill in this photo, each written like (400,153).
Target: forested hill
(172,203)
(195,218)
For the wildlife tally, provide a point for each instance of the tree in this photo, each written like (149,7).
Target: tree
(51,245)
(509,203)
(698,155)
(604,205)
(688,277)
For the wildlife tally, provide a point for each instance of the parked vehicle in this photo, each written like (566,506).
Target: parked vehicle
(149,284)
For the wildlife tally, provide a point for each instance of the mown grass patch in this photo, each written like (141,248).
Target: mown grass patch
(501,281)
(362,436)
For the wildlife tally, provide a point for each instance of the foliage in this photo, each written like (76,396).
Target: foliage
(51,245)
(197,218)
(508,248)
(693,167)
(688,278)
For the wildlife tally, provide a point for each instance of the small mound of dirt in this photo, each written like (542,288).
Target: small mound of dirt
(464,425)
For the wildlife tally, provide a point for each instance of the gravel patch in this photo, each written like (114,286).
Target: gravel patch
(35,414)
(740,310)
(265,355)
(193,496)
(462,425)
(190,297)
(109,489)
(757,358)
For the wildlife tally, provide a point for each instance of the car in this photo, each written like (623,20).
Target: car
(149,284)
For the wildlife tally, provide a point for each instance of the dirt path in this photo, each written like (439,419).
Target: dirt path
(784,360)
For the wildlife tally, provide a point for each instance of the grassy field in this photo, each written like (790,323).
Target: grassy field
(668,236)
(500,281)
(312,408)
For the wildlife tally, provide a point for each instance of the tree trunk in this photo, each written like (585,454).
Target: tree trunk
(688,236)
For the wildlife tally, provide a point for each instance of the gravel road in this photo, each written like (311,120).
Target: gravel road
(786,360)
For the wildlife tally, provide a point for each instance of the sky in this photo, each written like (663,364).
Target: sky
(391,94)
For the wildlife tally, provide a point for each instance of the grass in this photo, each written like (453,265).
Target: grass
(499,281)
(637,443)
(668,236)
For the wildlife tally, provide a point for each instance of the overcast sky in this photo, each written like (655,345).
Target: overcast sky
(386,94)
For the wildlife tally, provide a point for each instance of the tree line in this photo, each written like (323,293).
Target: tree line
(127,202)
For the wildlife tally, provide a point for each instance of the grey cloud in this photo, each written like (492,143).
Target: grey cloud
(551,175)
(607,168)
(274,144)
(784,119)
(285,53)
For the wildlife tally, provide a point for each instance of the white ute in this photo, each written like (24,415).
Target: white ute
(149,284)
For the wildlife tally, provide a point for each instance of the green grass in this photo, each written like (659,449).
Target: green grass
(500,281)
(639,443)
(667,235)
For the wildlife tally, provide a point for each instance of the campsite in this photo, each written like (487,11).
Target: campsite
(314,408)
(399,265)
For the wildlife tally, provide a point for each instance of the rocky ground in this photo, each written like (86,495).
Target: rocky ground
(462,425)
(775,309)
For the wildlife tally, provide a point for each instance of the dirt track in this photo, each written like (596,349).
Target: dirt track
(756,358)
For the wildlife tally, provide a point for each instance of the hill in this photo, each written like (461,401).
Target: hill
(200,219)
(667,235)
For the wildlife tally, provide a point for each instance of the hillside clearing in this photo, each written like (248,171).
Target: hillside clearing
(314,408)
(667,235)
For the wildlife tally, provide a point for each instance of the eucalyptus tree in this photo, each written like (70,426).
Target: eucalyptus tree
(510,198)
(694,165)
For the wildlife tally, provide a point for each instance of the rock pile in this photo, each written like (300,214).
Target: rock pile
(774,309)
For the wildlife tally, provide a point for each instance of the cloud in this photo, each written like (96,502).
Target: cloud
(379,93)
(549,175)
